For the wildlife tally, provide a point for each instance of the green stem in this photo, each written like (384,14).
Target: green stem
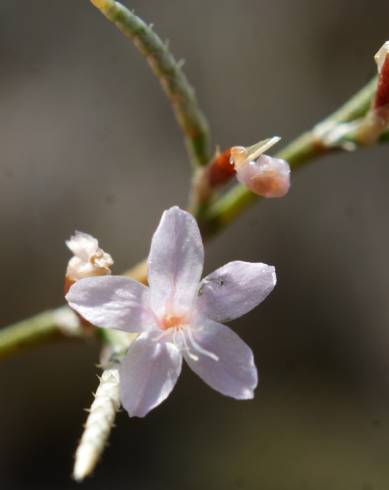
(49,325)
(168,71)
(298,153)
(355,107)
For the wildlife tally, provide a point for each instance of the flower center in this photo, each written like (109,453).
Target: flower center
(172,321)
(183,337)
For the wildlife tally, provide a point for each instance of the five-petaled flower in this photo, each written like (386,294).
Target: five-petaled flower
(178,316)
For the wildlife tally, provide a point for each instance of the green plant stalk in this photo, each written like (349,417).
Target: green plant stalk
(168,71)
(27,333)
(301,151)
(106,403)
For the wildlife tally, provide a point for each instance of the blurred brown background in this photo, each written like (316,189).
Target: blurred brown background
(89,142)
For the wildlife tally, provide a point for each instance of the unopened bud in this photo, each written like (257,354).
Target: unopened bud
(267,176)
(88,260)
(220,170)
(264,175)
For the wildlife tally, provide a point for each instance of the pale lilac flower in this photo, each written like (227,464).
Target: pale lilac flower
(88,258)
(178,316)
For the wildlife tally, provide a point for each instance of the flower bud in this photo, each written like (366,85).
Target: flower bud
(264,175)
(267,176)
(88,260)
(220,170)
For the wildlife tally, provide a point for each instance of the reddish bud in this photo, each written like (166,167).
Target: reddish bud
(377,119)
(381,99)
(220,170)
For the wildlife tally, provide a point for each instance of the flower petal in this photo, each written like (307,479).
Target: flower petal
(112,302)
(233,373)
(235,289)
(175,261)
(148,374)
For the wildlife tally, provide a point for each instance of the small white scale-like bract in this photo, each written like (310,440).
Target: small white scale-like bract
(88,260)
(264,175)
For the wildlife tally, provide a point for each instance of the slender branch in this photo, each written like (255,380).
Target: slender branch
(106,403)
(168,71)
(98,425)
(46,326)
(58,323)
(355,107)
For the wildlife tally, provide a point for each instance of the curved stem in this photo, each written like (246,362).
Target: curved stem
(174,82)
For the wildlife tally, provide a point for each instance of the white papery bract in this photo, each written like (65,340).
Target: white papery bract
(88,260)
(178,316)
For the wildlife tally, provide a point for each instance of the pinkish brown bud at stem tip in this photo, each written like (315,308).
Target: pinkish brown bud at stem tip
(264,175)
(267,176)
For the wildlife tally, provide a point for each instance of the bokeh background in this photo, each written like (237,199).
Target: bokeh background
(88,142)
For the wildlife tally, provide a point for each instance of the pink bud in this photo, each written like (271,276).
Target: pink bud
(267,176)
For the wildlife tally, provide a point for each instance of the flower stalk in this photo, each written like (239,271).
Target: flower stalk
(98,424)
(168,71)
(106,404)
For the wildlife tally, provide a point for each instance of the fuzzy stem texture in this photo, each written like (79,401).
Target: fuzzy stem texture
(168,71)
(98,424)
(106,404)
